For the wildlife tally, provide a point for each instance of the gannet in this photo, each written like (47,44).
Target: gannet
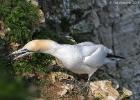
(81,58)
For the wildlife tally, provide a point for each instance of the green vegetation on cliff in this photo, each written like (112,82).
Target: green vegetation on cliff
(21,17)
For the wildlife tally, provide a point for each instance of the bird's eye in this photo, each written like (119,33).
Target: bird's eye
(25,50)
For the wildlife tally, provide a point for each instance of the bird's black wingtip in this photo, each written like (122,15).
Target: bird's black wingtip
(115,56)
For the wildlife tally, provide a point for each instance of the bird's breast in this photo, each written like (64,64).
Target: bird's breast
(69,56)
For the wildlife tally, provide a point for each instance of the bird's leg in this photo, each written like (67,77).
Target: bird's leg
(86,87)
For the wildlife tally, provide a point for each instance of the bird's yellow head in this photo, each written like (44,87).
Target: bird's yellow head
(34,46)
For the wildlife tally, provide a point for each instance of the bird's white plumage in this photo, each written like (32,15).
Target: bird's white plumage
(82,58)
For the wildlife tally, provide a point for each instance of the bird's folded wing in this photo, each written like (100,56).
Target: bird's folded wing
(87,50)
(86,44)
(95,56)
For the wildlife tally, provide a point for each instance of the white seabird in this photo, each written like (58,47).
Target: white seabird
(82,58)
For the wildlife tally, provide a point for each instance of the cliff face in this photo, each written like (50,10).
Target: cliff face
(112,23)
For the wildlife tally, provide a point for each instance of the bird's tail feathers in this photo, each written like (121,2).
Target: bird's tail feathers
(115,57)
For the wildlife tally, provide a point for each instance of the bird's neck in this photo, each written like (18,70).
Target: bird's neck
(53,49)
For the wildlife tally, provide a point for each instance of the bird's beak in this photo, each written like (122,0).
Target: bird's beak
(20,53)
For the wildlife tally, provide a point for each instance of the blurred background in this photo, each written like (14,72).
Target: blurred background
(114,23)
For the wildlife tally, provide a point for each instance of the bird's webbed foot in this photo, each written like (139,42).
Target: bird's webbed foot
(86,88)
